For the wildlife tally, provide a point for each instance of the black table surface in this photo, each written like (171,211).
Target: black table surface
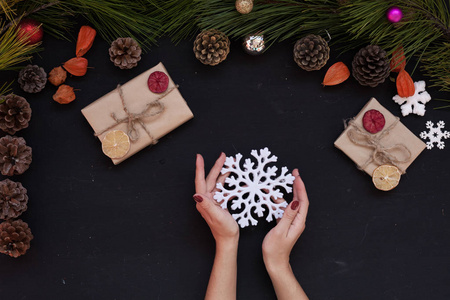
(131,231)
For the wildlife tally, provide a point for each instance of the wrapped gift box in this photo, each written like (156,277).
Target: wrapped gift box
(398,143)
(137,97)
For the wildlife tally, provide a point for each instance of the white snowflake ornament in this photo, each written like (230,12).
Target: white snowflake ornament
(253,187)
(416,103)
(435,135)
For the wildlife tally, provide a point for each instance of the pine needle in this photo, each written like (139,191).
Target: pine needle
(13,50)
(5,89)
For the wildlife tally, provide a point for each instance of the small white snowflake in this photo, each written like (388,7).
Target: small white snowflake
(254,187)
(416,103)
(435,134)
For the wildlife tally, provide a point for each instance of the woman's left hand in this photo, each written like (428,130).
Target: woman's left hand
(223,227)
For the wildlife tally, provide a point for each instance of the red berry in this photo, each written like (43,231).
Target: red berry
(373,121)
(158,82)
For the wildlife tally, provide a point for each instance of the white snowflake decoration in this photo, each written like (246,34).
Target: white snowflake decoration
(253,186)
(416,103)
(435,135)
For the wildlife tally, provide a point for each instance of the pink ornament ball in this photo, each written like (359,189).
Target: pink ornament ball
(394,14)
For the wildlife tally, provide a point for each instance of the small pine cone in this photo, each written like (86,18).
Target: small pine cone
(15,155)
(15,113)
(13,199)
(211,47)
(32,79)
(15,237)
(125,53)
(311,52)
(370,66)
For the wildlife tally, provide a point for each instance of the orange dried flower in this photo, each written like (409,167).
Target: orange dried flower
(398,60)
(85,40)
(405,84)
(76,66)
(64,94)
(57,76)
(336,74)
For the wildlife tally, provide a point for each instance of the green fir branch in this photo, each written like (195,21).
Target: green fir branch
(278,20)
(13,50)
(117,18)
(179,19)
(5,89)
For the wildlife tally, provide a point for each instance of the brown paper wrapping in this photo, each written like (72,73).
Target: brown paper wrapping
(137,95)
(398,135)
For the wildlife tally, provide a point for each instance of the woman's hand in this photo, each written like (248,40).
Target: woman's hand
(278,243)
(222,282)
(223,227)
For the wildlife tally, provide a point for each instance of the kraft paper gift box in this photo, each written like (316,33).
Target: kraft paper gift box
(394,145)
(171,111)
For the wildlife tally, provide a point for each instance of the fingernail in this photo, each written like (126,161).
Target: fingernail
(294,204)
(199,198)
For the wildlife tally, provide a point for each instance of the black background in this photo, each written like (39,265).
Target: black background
(132,231)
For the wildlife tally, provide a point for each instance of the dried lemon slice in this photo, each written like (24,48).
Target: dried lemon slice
(386,177)
(116,144)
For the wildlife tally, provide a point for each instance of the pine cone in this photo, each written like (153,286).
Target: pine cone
(211,47)
(311,52)
(15,155)
(32,79)
(13,199)
(15,113)
(125,53)
(370,66)
(15,237)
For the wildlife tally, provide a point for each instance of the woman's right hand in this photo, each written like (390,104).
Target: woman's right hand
(278,243)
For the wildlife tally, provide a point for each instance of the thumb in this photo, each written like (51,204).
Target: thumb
(289,215)
(203,202)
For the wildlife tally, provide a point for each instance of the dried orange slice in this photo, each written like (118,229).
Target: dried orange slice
(386,177)
(116,144)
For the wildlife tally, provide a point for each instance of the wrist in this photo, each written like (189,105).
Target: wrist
(227,244)
(276,266)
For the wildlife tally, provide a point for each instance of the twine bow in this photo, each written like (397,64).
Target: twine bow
(151,109)
(381,155)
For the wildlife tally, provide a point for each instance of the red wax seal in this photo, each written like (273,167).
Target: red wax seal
(158,82)
(373,121)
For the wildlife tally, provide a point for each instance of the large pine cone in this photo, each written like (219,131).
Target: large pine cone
(370,66)
(32,79)
(125,53)
(311,52)
(15,113)
(15,237)
(15,155)
(211,47)
(13,199)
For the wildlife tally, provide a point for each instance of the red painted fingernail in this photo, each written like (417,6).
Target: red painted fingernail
(199,198)
(294,205)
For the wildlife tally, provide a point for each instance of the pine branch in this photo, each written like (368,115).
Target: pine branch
(7,8)
(422,32)
(14,50)
(179,19)
(5,89)
(278,20)
(24,15)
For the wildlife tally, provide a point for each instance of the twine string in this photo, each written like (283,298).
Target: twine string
(381,155)
(153,108)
